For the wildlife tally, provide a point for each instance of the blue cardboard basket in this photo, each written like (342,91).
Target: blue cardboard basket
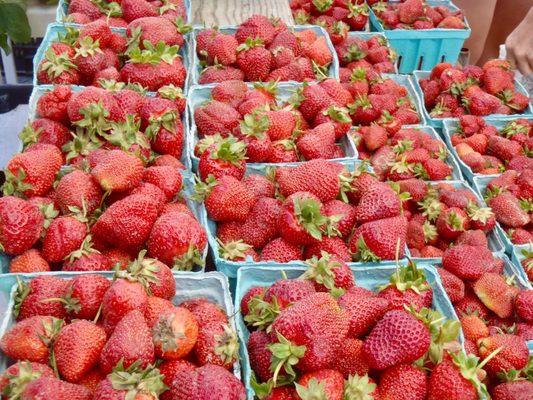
(211,285)
(197,209)
(450,128)
(54,30)
(369,277)
(424,48)
(439,122)
(62,11)
(202,93)
(230,268)
(493,237)
(196,68)
(368,35)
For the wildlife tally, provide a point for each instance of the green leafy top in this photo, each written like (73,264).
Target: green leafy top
(153,55)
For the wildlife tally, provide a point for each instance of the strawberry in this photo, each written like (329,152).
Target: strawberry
(256,27)
(217,345)
(47,131)
(281,251)
(118,171)
(474,328)
(254,60)
(33,298)
(155,30)
(513,390)
(222,49)
(229,92)
(33,172)
(216,117)
(260,185)
(480,102)
(63,236)
(260,226)
(57,66)
(225,157)
(77,191)
(318,142)
(259,354)
(378,240)
(84,295)
(508,211)
(377,202)
(220,73)
(28,262)
(513,353)
(84,7)
(130,342)
(77,349)
(175,333)
(523,305)
(403,382)
(226,199)
(127,223)
(389,344)
(166,178)
(326,382)
(53,388)
(467,262)
(15,378)
(496,80)
(451,222)
(21,225)
(363,311)
(53,104)
(329,274)
(493,290)
(410,11)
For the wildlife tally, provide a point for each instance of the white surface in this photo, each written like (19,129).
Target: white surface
(11,124)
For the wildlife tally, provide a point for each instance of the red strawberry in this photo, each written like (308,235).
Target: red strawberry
(326,382)
(377,202)
(57,66)
(15,378)
(467,262)
(53,388)
(230,92)
(493,290)
(281,251)
(21,224)
(257,26)
(220,73)
(329,273)
(508,211)
(403,382)
(513,390)
(77,189)
(175,333)
(260,185)
(216,117)
(254,60)
(34,298)
(222,49)
(513,353)
(480,102)
(130,342)
(29,261)
(318,142)
(118,171)
(84,296)
(363,311)
(53,104)
(451,222)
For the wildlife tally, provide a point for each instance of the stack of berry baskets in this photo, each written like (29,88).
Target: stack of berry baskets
(257,285)
(422,35)
(217,55)
(119,14)
(322,203)
(490,146)
(512,208)
(89,54)
(449,92)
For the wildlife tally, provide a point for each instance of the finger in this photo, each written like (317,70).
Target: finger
(523,63)
(510,56)
(530,60)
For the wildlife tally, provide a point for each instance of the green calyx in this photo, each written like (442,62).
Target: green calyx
(189,260)
(456,221)
(402,146)
(69,37)
(167,121)
(346,181)
(165,335)
(358,74)
(444,334)
(250,43)
(359,388)
(151,54)
(230,150)
(477,213)
(338,114)
(323,5)
(171,92)
(301,17)
(402,166)
(14,184)
(363,253)
(430,232)
(207,142)
(95,118)
(203,189)
(514,128)
(142,270)
(309,216)
(354,53)
(16,384)
(321,271)
(314,390)
(136,381)
(233,250)
(56,64)
(430,207)
(255,125)
(408,277)
(262,313)
(125,134)
(285,355)
(182,26)
(28,135)
(85,249)
(87,47)
(82,143)
(227,345)
(361,102)
(470,369)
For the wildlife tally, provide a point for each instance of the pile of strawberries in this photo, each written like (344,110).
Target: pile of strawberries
(336,16)
(416,14)
(262,49)
(90,338)
(398,154)
(510,196)
(441,216)
(93,55)
(495,312)
(119,14)
(487,150)
(83,123)
(452,91)
(357,54)
(323,207)
(321,336)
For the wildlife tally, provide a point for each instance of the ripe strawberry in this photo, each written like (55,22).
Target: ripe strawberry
(474,328)
(220,73)
(260,226)
(254,60)
(53,104)
(216,117)
(229,92)
(63,236)
(403,382)
(260,185)
(318,142)
(15,378)
(281,251)
(328,383)
(508,211)
(77,189)
(329,273)
(28,262)
(118,171)
(175,333)
(513,390)
(77,349)
(44,130)
(225,157)
(259,354)
(127,223)
(57,66)
(451,223)
(84,295)
(33,298)
(166,178)
(53,388)
(155,30)
(523,305)
(363,311)
(217,345)
(256,27)
(222,49)
(397,338)
(378,240)
(130,342)
(493,290)
(21,224)
(513,353)
(479,102)
(377,202)
(467,262)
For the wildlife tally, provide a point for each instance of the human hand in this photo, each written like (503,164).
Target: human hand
(519,45)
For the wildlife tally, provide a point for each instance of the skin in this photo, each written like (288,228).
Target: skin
(495,22)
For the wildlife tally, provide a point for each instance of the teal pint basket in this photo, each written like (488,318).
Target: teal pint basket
(369,277)
(211,285)
(202,93)
(196,67)
(62,11)
(439,122)
(424,48)
(450,128)
(230,268)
